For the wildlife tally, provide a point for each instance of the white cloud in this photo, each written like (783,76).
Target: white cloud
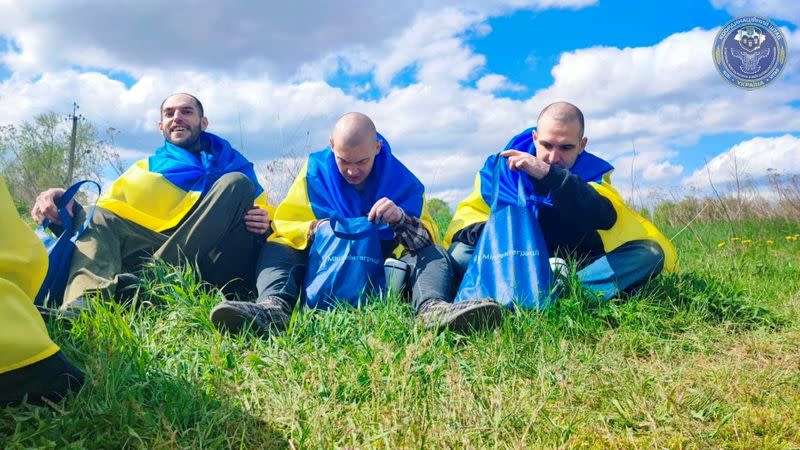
(264,87)
(494,83)
(750,160)
(788,10)
(254,37)
(662,171)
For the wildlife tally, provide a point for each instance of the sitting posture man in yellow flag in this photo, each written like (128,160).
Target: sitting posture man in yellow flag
(30,363)
(616,250)
(357,176)
(195,198)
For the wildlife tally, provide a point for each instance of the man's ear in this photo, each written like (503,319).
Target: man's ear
(582,145)
(378,146)
(204,123)
(535,136)
(160,126)
(330,142)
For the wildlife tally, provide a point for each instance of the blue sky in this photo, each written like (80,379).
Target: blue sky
(446,82)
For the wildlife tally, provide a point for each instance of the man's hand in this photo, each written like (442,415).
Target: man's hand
(45,206)
(526,162)
(384,210)
(257,220)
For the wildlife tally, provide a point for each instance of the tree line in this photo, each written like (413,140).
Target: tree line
(34,155)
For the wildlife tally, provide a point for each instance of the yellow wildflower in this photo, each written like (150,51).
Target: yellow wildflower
(770,242)
(746,241)
(734,239)
(720,245)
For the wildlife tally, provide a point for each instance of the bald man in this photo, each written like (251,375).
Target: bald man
(615,249)
(195,199)
(356,176)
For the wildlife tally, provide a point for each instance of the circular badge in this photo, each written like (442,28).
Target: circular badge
(750,52)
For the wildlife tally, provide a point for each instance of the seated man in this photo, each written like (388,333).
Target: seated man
(195,198)
(30,363)
(356,176)
(616,249)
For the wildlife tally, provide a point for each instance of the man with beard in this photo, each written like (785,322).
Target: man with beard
(196,198)
(583,218)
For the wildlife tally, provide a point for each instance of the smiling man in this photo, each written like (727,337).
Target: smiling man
(357,176)
(196,198)
(615,249)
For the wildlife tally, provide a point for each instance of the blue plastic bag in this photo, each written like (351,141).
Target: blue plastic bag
(60,248)
(510,264)
(345,263)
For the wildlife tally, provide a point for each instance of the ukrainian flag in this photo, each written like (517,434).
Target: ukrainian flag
(23,265)
(595,171)
(320,191)
(158,192)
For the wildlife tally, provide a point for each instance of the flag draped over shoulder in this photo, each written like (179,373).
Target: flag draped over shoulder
(23,265)
(157,192)
(320,192)
(588,167)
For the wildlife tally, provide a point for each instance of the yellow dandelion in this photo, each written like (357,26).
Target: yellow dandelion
(720,245)
(734,239)
(770,242)
(746,241)
(789,238)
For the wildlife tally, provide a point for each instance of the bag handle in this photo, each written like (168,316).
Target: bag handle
(523,199)
(352,236)
(63,201)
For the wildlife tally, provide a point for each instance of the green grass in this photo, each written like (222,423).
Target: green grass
(708,357)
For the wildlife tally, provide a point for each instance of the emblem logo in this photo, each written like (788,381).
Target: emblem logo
(750,52)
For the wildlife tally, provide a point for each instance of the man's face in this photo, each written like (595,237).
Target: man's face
(180,122)
(557,143)
(355,162)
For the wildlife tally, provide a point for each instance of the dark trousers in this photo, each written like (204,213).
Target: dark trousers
(281,270)
(212,235)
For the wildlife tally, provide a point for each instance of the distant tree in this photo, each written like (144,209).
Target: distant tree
(441,213)
(34,155)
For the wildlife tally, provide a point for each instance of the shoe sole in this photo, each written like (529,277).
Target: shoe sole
(479,317)
(228,318)
(231,319)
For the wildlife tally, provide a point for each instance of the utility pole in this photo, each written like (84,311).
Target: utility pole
(71,163)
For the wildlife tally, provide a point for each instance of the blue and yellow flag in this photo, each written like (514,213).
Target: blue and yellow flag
(320,192)
(23,265)
(157,192)
(590,168)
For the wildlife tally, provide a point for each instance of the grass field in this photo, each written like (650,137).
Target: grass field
(708,357)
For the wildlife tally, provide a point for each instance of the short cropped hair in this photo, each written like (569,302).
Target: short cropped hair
(199,105)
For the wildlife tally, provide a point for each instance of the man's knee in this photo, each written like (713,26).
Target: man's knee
(654,255)
(462,255)
(102,218)
(648,255)
(432,254)
(235,183)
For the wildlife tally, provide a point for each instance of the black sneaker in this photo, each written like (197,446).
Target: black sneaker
(51,378)
(271,314)
(128,286)
(75,308)
(56,314)
(463,317)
